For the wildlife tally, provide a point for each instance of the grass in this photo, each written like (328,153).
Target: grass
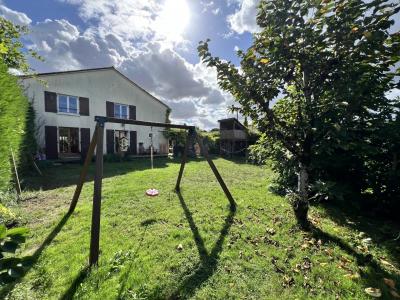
(256,252)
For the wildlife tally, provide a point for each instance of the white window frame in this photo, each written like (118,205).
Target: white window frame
(68,112)
(120,111)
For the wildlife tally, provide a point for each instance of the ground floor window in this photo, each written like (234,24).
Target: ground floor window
(68,140)
(121,141)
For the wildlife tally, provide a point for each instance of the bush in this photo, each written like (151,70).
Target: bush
(211,140)
(13,109)
(12,267)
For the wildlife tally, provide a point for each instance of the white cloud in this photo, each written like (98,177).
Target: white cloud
(16,17)
(244,18)
(124,34)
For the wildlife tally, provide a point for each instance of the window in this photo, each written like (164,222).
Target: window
(68,140)
(67,104)
(121,141)
(120,111)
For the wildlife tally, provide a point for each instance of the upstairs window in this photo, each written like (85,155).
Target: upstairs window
(120,111)
(68,104)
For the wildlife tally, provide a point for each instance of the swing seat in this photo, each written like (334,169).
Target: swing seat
(152,192)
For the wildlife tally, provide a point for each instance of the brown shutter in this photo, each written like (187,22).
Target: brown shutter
(50,102)
(83,106)
(85,141)
(50,133)
(110,141)
(110,109)
(133,142)
(132,112)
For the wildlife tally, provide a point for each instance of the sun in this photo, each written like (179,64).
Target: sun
(173,19)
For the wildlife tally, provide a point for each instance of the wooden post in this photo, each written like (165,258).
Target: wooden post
(183,162)
(84,171)
(96,211)
(18,185)
(216,173)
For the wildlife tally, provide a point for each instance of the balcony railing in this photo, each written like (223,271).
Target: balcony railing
(233,134)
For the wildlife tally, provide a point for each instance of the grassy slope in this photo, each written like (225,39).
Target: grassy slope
(225,255)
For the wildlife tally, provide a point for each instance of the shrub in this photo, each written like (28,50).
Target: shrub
(12,267)
(13,109)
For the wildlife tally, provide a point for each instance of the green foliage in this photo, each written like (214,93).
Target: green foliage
(177,135)
(6,215)
(211,139)
(13,108)
(12,267)
(29,146)
(330,65)
(223,256)
(11,46)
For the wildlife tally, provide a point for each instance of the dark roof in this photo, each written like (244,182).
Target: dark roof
(95,69)
(232,119)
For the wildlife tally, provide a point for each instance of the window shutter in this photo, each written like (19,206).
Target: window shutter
(133,142)
(83,106)
(132,112)
(50,102)
(85,141)
(50,133)
(110,141)
(110,109)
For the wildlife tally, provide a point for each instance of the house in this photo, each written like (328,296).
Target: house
(233,137)
(67,102)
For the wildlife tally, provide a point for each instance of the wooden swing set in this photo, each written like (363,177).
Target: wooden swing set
(97,143)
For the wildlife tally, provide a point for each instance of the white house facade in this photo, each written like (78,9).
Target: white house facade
(67,102)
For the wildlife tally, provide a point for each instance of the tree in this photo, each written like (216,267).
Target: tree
(13,107)
(11,46)
(326,64)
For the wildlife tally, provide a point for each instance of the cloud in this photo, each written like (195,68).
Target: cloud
(16,17)
(244,18)
(177,77)
(184,109)
(135,48)
(214,98)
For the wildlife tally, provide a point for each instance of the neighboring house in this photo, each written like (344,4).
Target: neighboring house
(67,102)
(233,137)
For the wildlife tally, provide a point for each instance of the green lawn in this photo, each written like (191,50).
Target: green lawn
(254,253)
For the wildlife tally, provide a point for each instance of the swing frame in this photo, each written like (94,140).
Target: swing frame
(97,143)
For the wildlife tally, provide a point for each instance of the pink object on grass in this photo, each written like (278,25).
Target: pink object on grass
(152,192)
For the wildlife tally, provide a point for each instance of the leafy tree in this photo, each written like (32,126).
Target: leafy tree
(327,65)
(13,56)
(13,108)
(11,52)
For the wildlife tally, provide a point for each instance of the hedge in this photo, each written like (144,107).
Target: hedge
(13,109)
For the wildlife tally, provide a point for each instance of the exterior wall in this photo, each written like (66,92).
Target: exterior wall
(99,86)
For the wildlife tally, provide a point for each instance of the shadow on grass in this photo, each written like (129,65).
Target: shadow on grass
(35,256)
(208,261)
(370,270)
(69,294)
(82,275)
(68,174)
(382,231)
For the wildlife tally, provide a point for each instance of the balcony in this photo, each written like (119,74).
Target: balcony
(233,134)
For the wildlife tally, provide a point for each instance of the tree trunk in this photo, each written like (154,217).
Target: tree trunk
(300,205)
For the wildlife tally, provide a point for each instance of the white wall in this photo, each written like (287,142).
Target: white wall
(99,86)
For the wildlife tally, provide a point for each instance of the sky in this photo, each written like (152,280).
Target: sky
(153,42)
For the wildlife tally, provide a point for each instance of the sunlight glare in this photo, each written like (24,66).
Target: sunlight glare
(173,19)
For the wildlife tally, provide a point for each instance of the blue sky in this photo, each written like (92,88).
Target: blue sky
(152,41)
